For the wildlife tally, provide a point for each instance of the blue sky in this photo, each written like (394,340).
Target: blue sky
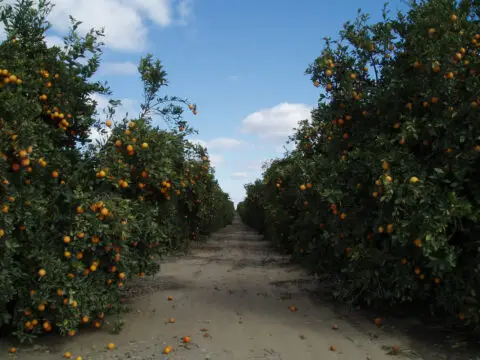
(241,62)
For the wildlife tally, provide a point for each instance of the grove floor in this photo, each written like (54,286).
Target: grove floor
(232,297)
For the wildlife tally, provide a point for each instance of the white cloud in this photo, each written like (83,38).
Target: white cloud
(53,40)
(234,78)
(216,159)
(277,121)
(239,175)
(118,68)
(219,143)
(185,10)
(223,143)
(198,142)
(125,21)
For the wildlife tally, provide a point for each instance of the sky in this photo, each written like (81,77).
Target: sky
(242,62)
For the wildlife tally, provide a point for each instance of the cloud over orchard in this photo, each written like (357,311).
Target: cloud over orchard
(277,121)
(125,22)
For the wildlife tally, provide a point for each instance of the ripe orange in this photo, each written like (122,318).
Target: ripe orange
(413,180)
(167,350)
(389,228)
(42,272)
(186,339)
(111,346)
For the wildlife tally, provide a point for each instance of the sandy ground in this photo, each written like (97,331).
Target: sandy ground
(232,296)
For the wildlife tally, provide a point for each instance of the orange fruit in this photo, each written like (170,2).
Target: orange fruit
(111,346)
(171,320)
(67,355)
(186,339)
(413,180)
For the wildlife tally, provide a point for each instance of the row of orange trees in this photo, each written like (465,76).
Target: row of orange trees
(78,220)
(383,185)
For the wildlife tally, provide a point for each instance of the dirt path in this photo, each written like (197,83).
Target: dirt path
(232,297)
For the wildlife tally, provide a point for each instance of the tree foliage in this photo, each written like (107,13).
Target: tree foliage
(79,219)
(382,187)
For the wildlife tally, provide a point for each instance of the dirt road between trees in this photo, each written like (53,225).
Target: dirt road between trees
(233,296)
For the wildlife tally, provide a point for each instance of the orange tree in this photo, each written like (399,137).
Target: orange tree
(382,187)
(78,220)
